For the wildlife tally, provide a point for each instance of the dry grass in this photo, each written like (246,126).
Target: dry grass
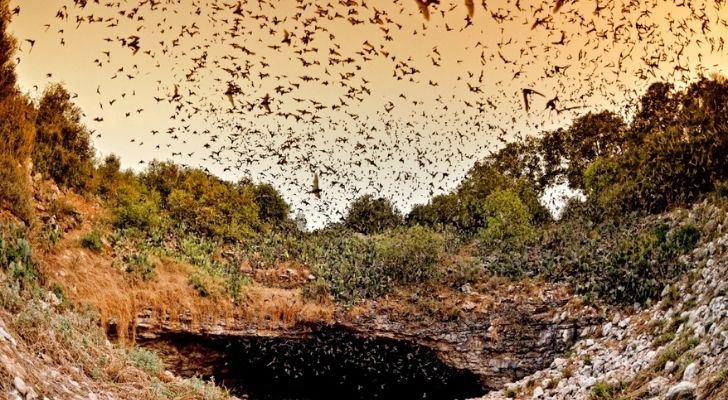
(92,279)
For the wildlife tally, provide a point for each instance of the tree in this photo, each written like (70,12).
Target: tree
(369,215)
(63,148)
(273,209)
(507,218)
(567,152)
(17,132)
(7,49)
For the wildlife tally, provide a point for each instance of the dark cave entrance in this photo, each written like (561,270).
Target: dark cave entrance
(330,364)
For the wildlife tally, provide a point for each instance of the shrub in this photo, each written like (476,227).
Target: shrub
(7,48)
(355,267)
(16,255)
(347,266)
(409,256)
(136,207)
(139,264)
(605,391)
(92,241)
(145,360)
(622,261)
(202,203)
(369,215)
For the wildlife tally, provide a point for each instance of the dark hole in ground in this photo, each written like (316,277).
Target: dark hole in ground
(333,364)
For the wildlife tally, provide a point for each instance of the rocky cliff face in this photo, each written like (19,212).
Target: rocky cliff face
(498,346)
(674,349)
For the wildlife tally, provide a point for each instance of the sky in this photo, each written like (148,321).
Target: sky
(367,94)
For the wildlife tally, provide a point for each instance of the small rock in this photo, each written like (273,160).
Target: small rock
(691,372)
(52,299)
(657,385)
(669,366)
(537,392)
(20,385)
(681,391)
(587,382)
(606,329)
(468,305)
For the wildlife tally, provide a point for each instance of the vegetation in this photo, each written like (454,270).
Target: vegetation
(92,241)
(350,267)
(369,215)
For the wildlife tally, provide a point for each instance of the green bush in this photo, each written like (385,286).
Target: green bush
(145,360)
(354,267)
(273,209)
(370,215)
(622,261)
(136,207)
(409,256)
(16,255)
(17,132)
(139,264)
(606,391)
(92,241)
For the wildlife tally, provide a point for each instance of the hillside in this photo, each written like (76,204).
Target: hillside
(169,282)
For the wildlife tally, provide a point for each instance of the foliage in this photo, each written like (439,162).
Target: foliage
(135,206)
(145,360)
(508,218)
(273,209)
(625,261)
(605,391)
(467,209)
(92,240)
(7,48)
(676,149)
(409,256)
(370,215)
(204,203)
(139,265)
(354,267)
(17,133)
(63,147)
(16,256)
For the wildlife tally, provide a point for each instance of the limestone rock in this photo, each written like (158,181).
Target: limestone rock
(690,373)
(681,391)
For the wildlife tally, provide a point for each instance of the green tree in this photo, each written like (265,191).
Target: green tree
(567,152)
(63,148)
(507,218)
(7,49)
(370,215)
(273,209)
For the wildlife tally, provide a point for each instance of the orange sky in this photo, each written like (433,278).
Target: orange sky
(417,106)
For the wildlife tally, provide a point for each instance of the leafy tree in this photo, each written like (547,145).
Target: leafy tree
(63,148)
(273,209)
(7,48)
(443,210)
(17,117)
(508,218)
(369,215)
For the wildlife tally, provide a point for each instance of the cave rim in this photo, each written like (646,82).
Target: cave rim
(228,365)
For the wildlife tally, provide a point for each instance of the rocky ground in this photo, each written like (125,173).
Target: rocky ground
(674,349)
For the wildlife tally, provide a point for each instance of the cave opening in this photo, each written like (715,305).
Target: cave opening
(328,364)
